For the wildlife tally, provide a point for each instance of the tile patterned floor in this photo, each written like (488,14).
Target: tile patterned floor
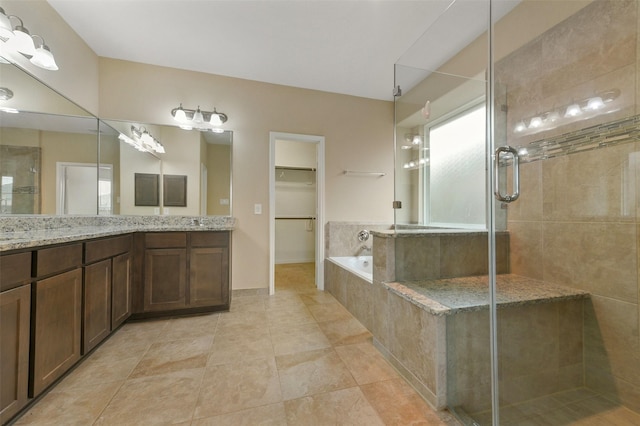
(296,358)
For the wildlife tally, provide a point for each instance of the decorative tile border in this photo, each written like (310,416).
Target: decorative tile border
(595,137)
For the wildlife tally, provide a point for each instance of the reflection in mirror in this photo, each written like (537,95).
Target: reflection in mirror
(203,157)
(48,149)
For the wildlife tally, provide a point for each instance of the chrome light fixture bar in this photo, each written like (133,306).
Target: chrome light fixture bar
(17,39)
(198,119)
(142,140)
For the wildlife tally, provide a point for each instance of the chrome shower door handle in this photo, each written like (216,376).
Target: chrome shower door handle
(507,198)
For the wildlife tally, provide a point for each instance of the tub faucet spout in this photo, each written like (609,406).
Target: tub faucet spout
(364,249)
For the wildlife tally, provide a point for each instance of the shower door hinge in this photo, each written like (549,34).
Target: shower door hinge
(397,91)
(397,204)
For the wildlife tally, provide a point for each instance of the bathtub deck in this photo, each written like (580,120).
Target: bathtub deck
(454,295)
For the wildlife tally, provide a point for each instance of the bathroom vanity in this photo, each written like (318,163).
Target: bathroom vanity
(65,290)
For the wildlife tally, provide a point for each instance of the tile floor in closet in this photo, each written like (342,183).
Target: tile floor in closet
(296,358)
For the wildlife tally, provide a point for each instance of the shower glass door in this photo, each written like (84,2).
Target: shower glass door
(519,239)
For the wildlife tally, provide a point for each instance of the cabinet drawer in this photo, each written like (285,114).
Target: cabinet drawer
(210,239)
(15,269)
(165,239)
(58,259)
(105,248)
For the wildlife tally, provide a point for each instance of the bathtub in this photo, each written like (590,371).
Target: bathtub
(361,266)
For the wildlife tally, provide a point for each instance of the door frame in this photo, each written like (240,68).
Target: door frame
(319,228)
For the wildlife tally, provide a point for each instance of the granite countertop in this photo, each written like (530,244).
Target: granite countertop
(28,232)
(454,295)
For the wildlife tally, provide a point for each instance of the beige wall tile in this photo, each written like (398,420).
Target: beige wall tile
(525,249)
(598,257)
(588,186)
(529,205)
(417,258)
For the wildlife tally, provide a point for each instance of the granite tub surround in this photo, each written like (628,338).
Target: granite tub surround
(454,295)
(18,232)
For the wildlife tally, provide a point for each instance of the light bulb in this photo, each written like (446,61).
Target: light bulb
(535,122)
(573,110)
(595,103)
(197,117)
(520,126)
(417,139)
(215,119)
(43,58)
(21,41)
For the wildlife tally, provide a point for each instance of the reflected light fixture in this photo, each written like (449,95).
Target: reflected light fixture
(21,41)
(148,142)
(199,119)
(595,103)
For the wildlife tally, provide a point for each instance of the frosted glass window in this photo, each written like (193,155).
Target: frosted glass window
(457,171)
(6,194)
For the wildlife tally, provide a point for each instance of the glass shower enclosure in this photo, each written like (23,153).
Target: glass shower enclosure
(517,181)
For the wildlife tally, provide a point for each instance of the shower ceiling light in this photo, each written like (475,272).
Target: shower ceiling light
(557,116)
(199,119)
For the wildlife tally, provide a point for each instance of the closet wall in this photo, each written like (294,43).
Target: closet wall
(295,202)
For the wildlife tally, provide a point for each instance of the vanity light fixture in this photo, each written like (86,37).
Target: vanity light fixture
(43,57)
(18,39)
(573,110)
(199,119)
(5,93)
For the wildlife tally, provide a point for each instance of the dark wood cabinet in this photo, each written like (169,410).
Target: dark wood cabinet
(184,272)
(15,312)
(165,279)
(56,327)
(96,313)
(120,289)
(107,288)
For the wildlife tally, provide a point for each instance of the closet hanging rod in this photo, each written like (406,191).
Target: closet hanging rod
(360,173)
(307,169)
(296,218)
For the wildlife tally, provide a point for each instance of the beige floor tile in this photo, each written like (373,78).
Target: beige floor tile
(308,373)
(98,370)
(284,301)
(345,331)
(398,404)
(175,355)
(290,316)
(366,363)
(266,415)
(71,406)
(298,338)
(341,407)
(248,304)
(162,399)
(245,346)
(317,298)
(234,322)
(189,327)
(238,386)
(329,312)
(622,416)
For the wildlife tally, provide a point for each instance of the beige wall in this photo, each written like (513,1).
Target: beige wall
(358,136)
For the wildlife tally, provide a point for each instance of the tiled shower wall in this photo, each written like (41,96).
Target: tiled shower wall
(341,238)
(576,222)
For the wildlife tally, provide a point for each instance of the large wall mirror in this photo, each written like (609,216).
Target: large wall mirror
(57,159)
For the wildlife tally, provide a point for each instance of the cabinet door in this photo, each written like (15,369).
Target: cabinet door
(120,290)
(165,276)
(15,311)
(209,276)
(97,304)
(57,321)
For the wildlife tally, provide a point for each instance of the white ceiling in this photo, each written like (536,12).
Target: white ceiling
(347,46)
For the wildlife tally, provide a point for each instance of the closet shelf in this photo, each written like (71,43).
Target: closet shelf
(295,218)
(307,169)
